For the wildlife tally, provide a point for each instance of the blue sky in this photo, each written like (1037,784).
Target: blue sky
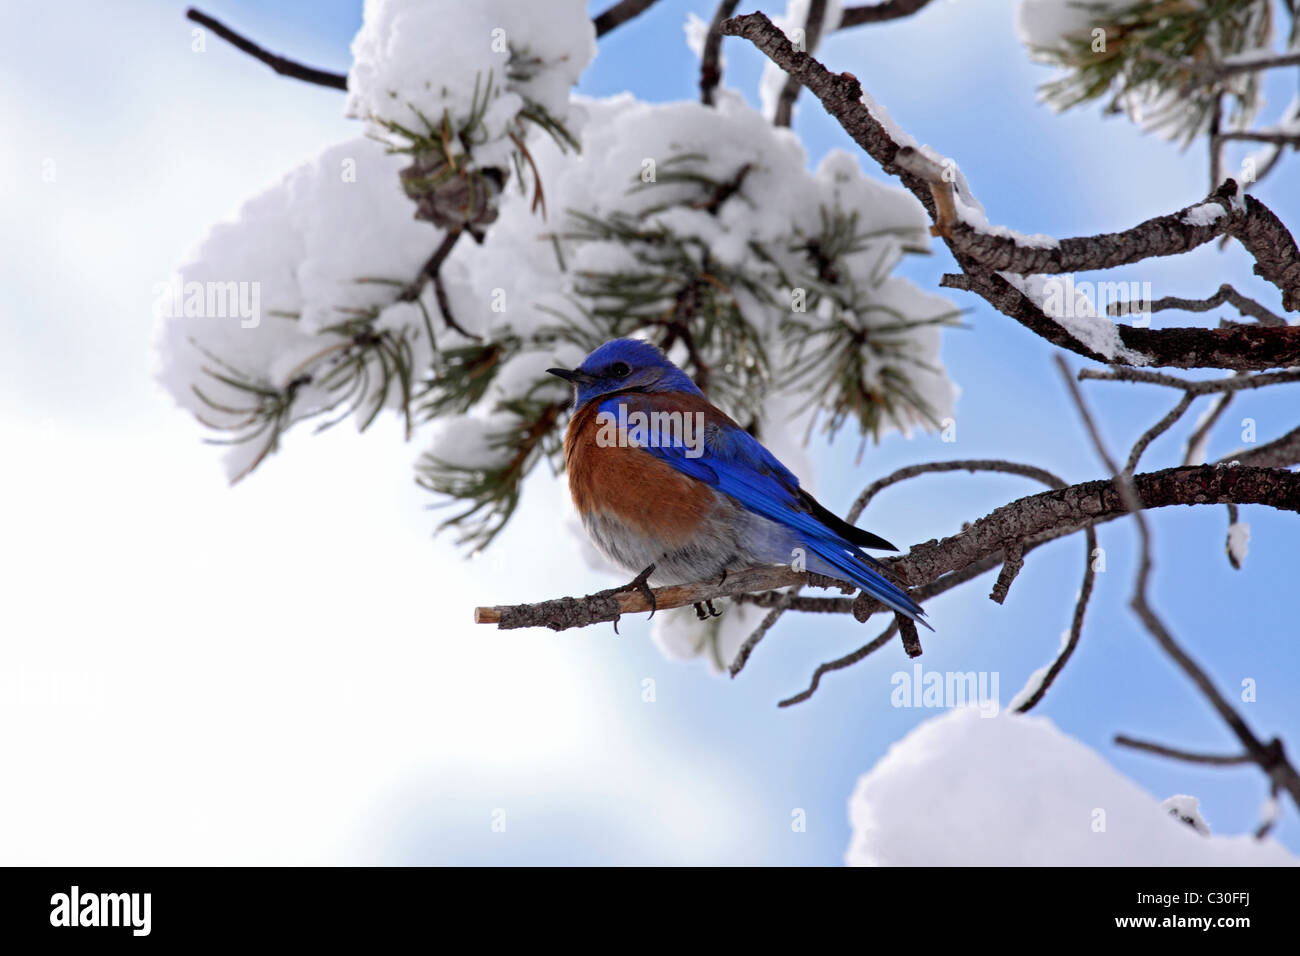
(291,699)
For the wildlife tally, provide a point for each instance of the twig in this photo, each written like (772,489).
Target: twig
(751,642)
(945,583)
(841,662)
(1015,560)
(1216,144)
(1233,517)
(1076,626)
(431,271)
(790,90)
(1270,814)
(1280,453)
(711,58)
(620,13)
(962,464)
(1218,760)
(1263,136)
(1195,453)
(880,12)
(1156,430)
(1232,383)
(281,65)
(1226,293)
(907,631)
(1248,66)
(1270,757)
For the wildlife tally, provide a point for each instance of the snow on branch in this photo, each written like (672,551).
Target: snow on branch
(982,250)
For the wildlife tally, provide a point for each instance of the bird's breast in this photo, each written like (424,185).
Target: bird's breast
(610,480)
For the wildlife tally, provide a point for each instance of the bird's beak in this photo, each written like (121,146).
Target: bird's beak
(572,375)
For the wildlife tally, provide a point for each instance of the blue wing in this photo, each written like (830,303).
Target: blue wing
(737,464)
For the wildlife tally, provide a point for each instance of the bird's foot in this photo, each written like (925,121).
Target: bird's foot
(704,615)
(640,583)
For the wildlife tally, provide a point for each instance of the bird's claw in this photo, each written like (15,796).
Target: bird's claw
(642,583)
(704,615)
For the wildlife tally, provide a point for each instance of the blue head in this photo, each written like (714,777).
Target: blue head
(625,365)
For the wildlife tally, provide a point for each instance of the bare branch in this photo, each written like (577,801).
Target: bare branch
(711,58)
(1270,757)
(1015,560)
(1245,218)
(1264,136)
(1252,65)
(1024,522)
(841,662)
(281,65)
(971,465)
(1156,430)
(1226,293)
(1232,383)
(790,91)
(620,13)
(880,12)
(1076,626)
(1218,760)
(1195,454)
(751,642)
(1280,453)
(1240,347)
(945,583)
(431,271)
(911,639)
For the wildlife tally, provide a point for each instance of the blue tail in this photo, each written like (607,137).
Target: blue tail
(849,563)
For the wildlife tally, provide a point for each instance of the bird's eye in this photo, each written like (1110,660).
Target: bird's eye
(620,370)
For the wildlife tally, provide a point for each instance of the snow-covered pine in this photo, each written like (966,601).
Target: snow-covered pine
(1150,58)
(699,227)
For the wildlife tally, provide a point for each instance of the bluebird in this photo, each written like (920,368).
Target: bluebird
(662,478)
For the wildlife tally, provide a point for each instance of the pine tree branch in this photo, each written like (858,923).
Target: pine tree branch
(979,253)
(431,271)
(1242,348)
(617,15)
(281,65)
(1024,522)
